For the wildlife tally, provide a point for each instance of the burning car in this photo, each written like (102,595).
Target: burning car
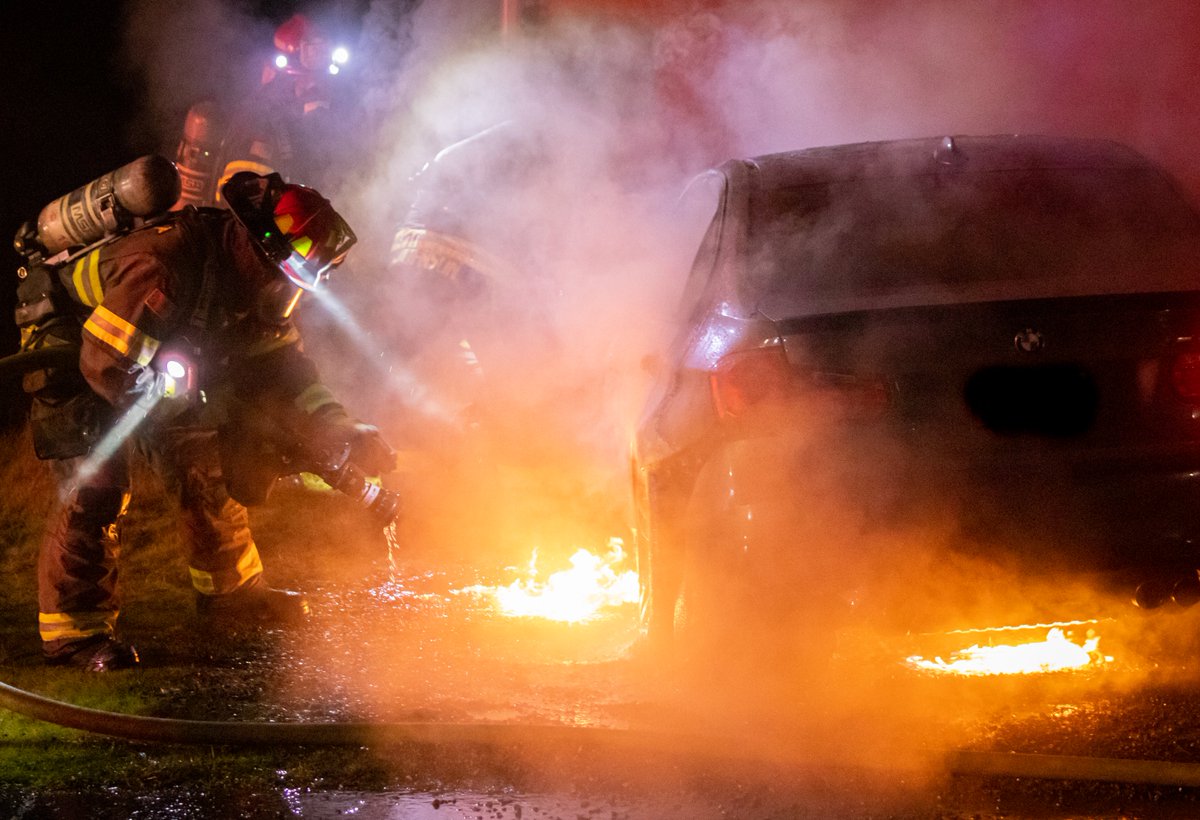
(900,357)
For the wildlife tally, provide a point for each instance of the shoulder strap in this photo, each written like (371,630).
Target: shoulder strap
(202,233)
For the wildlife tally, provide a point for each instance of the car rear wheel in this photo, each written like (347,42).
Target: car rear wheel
(727,620)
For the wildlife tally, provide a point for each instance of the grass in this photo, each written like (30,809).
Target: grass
(308,541)
(192,678)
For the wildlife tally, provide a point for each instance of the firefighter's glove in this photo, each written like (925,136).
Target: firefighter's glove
(160,397)
(368,451)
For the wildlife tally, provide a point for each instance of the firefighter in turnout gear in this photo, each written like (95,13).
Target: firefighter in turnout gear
(288,125)
(186,330)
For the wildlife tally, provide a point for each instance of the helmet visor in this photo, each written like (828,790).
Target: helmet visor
(294,226)
(319,245)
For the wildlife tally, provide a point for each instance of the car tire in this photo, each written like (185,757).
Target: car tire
(723,625)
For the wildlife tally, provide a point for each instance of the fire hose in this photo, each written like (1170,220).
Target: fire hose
(365,734)
(248,733)
(50,356)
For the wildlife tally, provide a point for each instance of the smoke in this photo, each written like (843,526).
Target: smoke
(606,118)
(620,110)
(181,55)
(793,75)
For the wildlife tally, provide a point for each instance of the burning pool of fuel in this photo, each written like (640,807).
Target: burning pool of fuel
(1056,653)
(593,584)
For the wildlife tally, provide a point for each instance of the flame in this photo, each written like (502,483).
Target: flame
(1055,654)
(573,595)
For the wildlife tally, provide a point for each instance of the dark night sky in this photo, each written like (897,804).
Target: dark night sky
(63,116)
(66,111)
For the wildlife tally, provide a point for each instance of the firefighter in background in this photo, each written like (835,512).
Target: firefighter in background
(288,126)
(217,289)
(463,255)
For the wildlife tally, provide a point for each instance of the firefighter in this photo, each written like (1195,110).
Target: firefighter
(462,254)
(288,126)
(198,305)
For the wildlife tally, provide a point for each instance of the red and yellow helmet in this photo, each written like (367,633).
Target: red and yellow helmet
(295,226)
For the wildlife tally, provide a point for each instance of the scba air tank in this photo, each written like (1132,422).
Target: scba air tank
(195,156)
(146,187)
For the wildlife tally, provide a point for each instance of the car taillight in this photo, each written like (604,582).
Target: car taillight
(749,378)
(1185,375)
(763,377)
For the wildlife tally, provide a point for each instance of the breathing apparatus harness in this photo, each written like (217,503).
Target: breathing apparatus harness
(67,418)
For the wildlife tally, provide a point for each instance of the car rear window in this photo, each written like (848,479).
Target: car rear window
(958,236)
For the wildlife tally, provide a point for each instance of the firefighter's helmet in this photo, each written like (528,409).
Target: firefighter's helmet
(303,45)
(295,226)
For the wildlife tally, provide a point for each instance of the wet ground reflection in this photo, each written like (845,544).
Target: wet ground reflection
(423,646)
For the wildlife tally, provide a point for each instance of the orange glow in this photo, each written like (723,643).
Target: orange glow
(1054,654)
(592,584)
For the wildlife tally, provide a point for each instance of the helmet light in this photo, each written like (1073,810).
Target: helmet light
(281,61)
(341,55)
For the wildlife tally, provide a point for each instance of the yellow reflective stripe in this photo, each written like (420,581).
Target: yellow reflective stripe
(94,276)
(240,165)
(249,565)
(444,254)
(54,626)
(85,277)
(218,583)
(203,581)
(314,483)
(314,397)
(94,327)
(246,165)
(121,335)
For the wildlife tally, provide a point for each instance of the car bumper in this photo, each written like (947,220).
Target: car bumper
(770,503)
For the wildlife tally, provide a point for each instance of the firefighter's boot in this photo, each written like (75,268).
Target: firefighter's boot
(95,653)
(253,605)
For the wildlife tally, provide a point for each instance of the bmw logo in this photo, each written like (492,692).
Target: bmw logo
(1028,341)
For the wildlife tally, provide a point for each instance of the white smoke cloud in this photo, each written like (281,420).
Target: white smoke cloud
(617,111)
(612,116)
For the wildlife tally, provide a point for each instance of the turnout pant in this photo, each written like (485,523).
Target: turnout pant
(77,563)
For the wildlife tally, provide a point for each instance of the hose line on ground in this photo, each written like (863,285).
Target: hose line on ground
(230,733)
(242,733)
(1068,767)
